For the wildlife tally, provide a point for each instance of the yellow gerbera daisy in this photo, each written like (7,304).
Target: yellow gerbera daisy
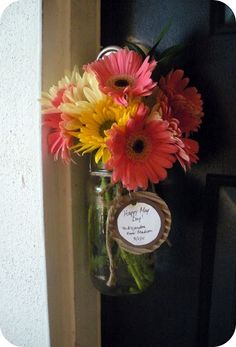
(78,97)
(97,117)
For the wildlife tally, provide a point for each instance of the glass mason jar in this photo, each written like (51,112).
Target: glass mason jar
(132,273)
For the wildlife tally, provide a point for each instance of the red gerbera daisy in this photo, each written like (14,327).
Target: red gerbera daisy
(191,148)
(124,74)
(185,102)
(140,151)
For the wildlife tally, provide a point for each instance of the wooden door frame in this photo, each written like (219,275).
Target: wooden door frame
(71,35)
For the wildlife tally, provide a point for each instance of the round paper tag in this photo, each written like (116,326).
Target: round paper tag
(139,222)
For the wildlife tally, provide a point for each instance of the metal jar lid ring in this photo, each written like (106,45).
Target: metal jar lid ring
(108,50)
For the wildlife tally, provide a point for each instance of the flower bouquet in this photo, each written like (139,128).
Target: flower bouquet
(135,128)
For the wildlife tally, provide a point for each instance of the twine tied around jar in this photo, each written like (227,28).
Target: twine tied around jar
(115,205)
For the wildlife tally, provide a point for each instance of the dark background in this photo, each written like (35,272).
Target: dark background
(192,302)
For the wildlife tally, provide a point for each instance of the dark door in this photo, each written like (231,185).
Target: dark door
(192,303)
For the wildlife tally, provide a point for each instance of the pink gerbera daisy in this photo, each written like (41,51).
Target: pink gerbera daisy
(185,102)
(140,151)
(124,75)
(59,140)
(58,123)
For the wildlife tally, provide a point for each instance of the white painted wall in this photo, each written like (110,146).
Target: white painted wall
(23,293)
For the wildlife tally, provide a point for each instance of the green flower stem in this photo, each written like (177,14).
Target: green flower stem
(133,268)
(107,197)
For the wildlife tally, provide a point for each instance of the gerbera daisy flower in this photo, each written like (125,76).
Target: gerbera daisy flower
(185,102)
(140,151)
(52,100)
(59,122)
(187,148)
(160,110)
(77,99)
(123,75)
(97,118)
(191,148)
(59,139)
